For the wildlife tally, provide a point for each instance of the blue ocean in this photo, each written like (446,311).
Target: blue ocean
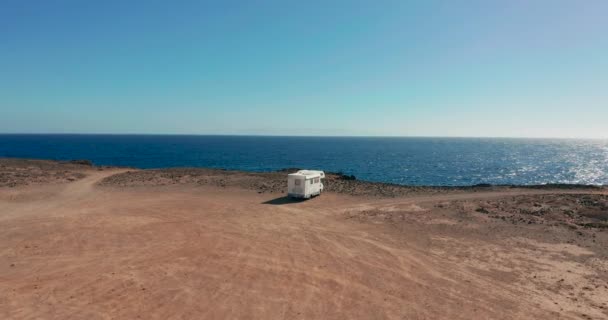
(407,161)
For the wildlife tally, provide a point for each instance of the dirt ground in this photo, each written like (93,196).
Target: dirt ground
(207,244)
(20,172)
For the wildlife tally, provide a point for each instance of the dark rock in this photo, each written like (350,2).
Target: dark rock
(83,162)
(482,185)
(482,210)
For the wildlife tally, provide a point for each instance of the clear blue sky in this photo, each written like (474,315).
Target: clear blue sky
(424,68)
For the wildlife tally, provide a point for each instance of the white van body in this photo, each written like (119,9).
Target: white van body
(305,183)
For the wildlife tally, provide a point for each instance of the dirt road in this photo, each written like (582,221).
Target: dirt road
(79,250)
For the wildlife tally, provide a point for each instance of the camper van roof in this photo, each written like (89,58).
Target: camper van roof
(308,173)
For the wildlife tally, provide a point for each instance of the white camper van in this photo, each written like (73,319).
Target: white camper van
(305,184)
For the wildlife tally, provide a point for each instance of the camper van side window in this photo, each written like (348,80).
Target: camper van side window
(297,182)
(311,181)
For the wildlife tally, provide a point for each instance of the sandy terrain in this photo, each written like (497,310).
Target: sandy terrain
(212,244)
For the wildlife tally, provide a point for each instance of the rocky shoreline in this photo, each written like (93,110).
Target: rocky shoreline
(18,172)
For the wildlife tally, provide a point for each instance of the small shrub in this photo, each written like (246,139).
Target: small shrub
(482,210)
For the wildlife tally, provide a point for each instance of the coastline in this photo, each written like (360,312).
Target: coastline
(336,181)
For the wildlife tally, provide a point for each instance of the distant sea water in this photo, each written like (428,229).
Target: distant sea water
(407,161)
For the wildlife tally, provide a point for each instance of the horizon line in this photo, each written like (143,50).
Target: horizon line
(299,136)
